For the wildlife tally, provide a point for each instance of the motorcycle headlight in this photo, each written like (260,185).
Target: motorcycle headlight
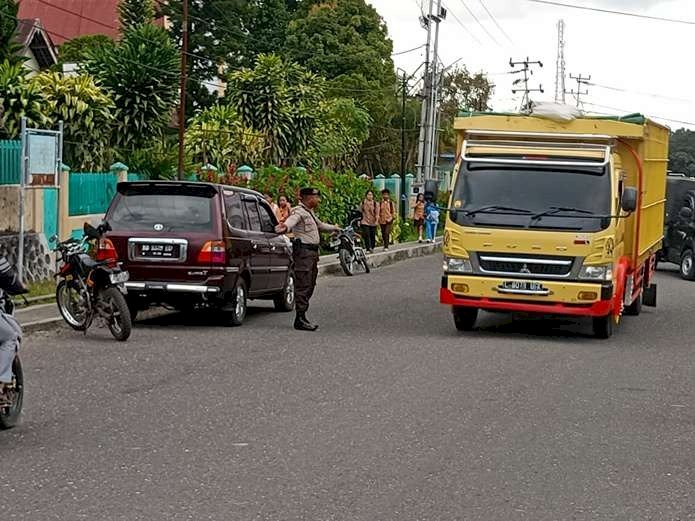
(456,265)
(599,272)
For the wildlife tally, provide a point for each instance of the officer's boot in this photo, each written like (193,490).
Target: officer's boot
(302,324)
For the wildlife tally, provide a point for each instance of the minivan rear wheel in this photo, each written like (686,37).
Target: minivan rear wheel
(284,302)
(238,305)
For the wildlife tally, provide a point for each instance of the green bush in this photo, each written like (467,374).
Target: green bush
(341,192)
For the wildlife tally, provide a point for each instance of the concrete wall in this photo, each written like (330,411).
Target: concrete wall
(38,259)
(9,209)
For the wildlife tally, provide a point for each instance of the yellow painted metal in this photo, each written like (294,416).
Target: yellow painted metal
(560,291)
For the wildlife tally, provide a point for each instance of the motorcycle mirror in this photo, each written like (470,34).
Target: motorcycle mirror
(90,231)
(54,238)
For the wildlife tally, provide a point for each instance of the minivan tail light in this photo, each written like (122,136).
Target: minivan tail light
(213,252)
(106,250)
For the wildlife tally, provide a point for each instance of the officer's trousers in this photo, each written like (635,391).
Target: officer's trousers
(305,272)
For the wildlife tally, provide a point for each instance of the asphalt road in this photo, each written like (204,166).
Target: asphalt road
(386,414)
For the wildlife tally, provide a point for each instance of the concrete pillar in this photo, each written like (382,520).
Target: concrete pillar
(64,203)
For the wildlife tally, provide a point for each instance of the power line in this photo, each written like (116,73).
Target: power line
(624,111)
(613,11)
(409,50)
(494,20)
(581,80)
(468,31)
(651,95)
(463,2)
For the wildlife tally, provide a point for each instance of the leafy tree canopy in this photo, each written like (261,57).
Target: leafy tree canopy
(141,75)
(9,48)
(77,50)
(135,13)
(682,152)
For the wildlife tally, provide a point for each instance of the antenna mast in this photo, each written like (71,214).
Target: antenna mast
(560,64)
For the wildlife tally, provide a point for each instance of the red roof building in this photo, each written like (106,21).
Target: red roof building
(68,19)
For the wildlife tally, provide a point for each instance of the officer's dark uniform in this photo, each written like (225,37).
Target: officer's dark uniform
(306,228)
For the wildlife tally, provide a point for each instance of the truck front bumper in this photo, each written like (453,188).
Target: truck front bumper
(563,297)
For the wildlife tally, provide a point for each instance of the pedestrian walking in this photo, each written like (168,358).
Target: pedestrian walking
(419,215)
(387,213)
(284,209)
(305,251)
(370,218)
(431,220)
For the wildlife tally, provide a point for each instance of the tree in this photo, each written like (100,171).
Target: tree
(682,152)
(86,113)
(18,98)
(9,48)
(78,49)
(218,136)
(462,91)
(141,75)
(279,100)
(342,129)
(217,42)
(135,13)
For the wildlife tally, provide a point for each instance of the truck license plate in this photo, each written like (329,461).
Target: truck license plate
(520,285)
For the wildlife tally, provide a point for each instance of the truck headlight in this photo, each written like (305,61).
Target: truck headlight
(456,265)
(598,272)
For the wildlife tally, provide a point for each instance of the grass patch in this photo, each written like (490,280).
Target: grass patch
(41,288)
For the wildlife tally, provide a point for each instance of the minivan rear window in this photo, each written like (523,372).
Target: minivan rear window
(162,210)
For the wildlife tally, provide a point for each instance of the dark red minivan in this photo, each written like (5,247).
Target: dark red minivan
(190,244)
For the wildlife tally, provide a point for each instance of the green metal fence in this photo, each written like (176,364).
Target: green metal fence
(10,162)
(91,193)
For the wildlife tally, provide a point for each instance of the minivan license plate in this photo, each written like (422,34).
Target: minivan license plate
(519,285)
(163,251)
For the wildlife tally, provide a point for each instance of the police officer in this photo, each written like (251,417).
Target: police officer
(306,227)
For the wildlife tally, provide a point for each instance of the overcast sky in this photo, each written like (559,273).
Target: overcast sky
(648,64)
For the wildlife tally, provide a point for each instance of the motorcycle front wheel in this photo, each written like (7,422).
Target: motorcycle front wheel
(73,304)
(9,415)
(347,261)
(118,314)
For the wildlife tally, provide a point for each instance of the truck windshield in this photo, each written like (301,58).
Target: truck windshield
(553,198)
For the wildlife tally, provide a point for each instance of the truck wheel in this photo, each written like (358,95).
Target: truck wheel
(465,318)
(635,308)
(603,326)
(688,265)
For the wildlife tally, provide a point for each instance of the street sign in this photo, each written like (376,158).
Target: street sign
(42,155)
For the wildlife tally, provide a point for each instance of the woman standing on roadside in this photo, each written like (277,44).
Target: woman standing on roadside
(387,214)
(284,209)
(370,218)
(419,215)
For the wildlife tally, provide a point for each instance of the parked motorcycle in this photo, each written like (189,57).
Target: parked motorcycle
(351,254)
(92,289)
(9,414)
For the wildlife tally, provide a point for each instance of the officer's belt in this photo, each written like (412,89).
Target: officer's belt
(304,246)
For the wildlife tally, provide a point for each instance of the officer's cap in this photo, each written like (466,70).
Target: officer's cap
(307,191)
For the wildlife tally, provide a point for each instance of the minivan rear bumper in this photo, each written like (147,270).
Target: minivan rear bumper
(171,287)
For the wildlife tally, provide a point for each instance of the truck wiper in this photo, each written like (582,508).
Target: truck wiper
(496,209)
(554,210)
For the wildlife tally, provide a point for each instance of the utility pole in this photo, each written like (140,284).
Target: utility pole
(430,160)
(182,95)
(581,80)
(425,21)
(404,196)
(526,71)
(560,64)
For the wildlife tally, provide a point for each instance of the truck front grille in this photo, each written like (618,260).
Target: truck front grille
(520,265)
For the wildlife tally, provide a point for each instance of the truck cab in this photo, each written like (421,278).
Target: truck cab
(554,218)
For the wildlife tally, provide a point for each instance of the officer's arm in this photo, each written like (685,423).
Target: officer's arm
(289,224)
(327,228)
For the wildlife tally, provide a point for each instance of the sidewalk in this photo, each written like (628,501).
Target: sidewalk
(45,316)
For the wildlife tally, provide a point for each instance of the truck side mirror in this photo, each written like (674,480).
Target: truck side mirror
(628,202)
(686,213)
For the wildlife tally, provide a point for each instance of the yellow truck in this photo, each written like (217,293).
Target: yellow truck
(555,218)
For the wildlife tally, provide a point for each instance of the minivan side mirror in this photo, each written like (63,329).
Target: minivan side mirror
(628,201)
(685,213)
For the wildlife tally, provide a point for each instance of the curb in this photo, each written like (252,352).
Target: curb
(384,258)
(329,267)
